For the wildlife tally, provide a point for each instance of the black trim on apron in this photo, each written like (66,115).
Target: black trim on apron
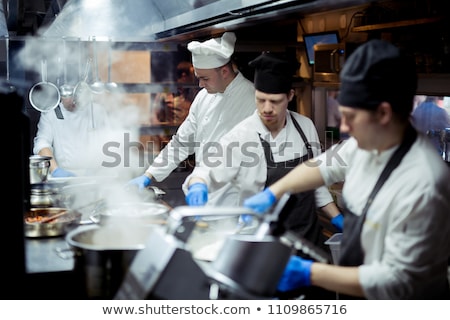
(351,250)
(58,113)
(299,214)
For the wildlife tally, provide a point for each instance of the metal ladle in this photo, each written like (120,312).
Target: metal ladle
(65,87)
(97,86)
(110,86)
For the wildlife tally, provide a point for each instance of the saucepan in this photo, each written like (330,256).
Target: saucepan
(256,264)
(44,96)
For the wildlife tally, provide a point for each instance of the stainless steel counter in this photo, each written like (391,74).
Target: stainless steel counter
(41,255)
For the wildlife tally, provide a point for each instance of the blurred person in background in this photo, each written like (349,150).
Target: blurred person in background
(396,236)
(69,132)
(430,117)
(333,116)
(173,107)
(226,98)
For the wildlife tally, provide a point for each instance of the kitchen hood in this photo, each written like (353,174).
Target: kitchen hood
(150,20)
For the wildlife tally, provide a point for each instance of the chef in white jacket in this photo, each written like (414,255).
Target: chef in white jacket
(263,148)
(70,134)
(226,98)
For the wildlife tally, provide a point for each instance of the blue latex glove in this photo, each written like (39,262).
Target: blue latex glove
(296,274)
(141,182)
(61,173)
(197,194)
(338,222)
(260,203)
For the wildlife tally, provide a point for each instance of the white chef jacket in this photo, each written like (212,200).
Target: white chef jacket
(210,117)
(406,235)
(239,168)
(75,139)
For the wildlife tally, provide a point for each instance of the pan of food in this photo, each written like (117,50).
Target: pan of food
(50,222)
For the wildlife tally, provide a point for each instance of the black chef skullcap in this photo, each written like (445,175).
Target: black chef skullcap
(273,74)
(375,72)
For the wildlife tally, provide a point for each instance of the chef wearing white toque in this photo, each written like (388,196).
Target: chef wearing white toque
(212,53)
(226,98)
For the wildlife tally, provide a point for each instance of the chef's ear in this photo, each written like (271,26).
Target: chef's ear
(384,112)
(290,94)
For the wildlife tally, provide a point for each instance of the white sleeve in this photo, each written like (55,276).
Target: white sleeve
(44,135)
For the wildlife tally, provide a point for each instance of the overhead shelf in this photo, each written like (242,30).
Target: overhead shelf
(395,24)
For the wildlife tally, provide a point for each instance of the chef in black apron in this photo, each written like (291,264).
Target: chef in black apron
(395,243)
(299,213)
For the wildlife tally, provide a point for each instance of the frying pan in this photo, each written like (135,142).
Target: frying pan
(44,96)
(58,227)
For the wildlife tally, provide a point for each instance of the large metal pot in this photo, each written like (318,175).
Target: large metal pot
(103,255)
(132,214)
(251,263)
(92,197)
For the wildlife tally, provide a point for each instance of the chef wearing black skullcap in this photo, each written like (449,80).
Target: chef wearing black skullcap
(396,236)
(266,146)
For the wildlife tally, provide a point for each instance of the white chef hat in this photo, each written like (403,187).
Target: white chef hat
(212,53)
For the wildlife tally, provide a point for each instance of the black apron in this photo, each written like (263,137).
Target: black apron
(351,251)
(299,214)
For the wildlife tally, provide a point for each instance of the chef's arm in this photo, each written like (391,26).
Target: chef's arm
(148,174)
(330,210)
(304,177)
(47,152)
(344,280)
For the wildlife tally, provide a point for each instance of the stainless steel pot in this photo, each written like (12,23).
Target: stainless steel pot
(39,168)
(46,194)
(103,255)
(132,214)
(252,263)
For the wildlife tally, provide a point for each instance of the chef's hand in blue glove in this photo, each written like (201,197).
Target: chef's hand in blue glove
(338,222)
(141,182)
(61,173)
(197,194)
(260,203)
(296,274)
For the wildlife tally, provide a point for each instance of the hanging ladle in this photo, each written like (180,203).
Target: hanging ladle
(65,88)
(11,87)
(97,86)
(110,86)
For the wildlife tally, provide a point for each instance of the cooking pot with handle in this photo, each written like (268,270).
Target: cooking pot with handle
(252,263)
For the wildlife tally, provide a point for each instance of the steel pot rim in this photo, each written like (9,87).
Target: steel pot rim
(97,247)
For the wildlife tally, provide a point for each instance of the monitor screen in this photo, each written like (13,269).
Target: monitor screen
(310,39)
